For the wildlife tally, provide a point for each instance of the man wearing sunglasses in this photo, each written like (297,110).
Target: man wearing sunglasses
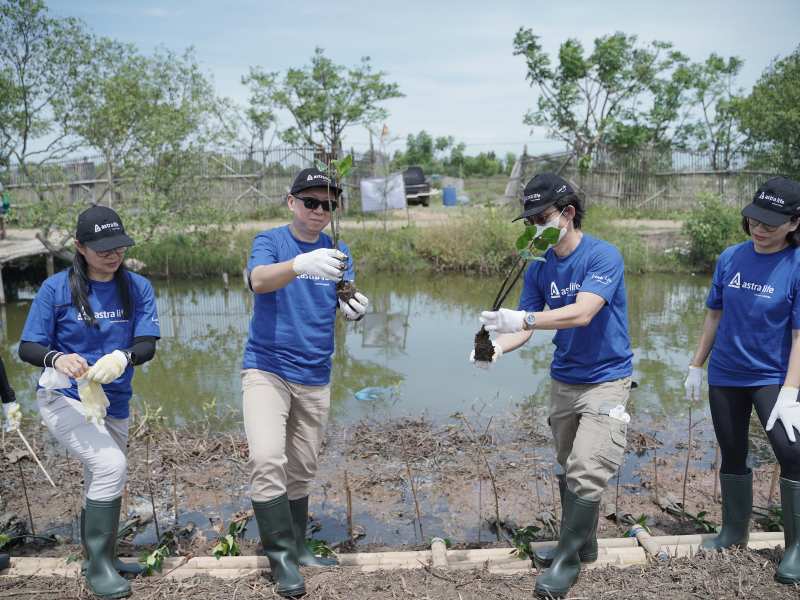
(581,281)
(293,271)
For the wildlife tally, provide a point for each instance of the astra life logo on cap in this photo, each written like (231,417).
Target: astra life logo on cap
(533,197)
(313,177)
(563,188)
(100,228)
(774,200)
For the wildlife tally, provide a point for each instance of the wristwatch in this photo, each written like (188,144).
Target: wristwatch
(130,356)
(529,321)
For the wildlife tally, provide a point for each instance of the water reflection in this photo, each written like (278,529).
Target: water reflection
(417,338)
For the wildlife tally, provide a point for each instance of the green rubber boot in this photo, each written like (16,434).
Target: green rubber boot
(122,567)
(102,523)
(305,557)
(274,518)
(789,570)
(588,553)
(5,560)
(581,518)
(737,506)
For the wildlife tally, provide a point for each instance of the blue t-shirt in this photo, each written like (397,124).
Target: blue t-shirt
(600,351)
(291,332)
(757,294)
(54,322)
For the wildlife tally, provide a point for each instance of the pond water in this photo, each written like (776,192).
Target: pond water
(407,357)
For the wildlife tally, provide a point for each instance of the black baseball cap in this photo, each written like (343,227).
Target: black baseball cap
(100,228)
(544,190)
(313,178)
(776,201)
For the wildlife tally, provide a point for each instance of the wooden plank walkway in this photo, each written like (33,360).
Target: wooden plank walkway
(19,243)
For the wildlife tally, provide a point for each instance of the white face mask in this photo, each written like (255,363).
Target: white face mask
(562,231)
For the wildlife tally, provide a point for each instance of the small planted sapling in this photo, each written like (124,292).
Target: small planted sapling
(339,169)
(532,241)
(228,545)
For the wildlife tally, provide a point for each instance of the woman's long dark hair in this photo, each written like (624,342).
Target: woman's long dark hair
(79,286)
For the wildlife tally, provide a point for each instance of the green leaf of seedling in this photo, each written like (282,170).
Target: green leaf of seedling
(320,165)
(319,547)
(526,237)
(526,254)
(343,166)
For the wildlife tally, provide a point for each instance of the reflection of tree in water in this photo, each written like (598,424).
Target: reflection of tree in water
(350,375)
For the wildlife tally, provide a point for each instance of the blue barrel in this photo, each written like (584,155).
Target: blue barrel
(449,196)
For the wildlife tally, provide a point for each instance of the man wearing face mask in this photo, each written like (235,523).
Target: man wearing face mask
(581,281)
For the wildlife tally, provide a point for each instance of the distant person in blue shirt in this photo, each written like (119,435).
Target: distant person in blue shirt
(582,282)
(751,330)
(88,326)
(293,271)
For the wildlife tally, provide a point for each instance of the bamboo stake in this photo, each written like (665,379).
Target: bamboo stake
(150,488)
(479,446)
(716,472)
(686,467)
(36,458)
(175,492)
(655,470)
(349,496)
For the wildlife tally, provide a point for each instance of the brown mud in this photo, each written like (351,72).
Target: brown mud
(345,291)
(484,349)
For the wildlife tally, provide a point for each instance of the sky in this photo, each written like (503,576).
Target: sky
(452,60)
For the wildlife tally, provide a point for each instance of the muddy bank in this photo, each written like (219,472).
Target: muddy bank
(745,574)
(469,475)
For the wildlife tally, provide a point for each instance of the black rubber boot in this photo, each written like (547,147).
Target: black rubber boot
(581,518)
(789,570)
(737,507)
(101,525)
(588,553)
(274,519)
(5,560)
(305,557)
(121,567)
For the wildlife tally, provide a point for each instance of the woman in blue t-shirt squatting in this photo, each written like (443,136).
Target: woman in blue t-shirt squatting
(751,330)
(88,326)
(293,271)
(582,282)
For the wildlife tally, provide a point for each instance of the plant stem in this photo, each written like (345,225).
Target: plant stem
(655,470)
(489,471)
(716,471)
(150,488)
(776,469)
(349,497)
(27,501)
(413,487)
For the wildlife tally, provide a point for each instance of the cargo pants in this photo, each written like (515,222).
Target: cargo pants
(589,444)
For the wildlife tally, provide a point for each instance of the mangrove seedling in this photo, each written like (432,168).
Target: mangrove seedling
(523,538)
(154,561)
(228,545)
(532,240)
(319,547)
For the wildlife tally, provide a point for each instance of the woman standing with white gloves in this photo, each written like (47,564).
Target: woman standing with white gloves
(752,331)
(88,326)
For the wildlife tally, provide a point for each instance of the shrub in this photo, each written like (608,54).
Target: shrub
(712,227)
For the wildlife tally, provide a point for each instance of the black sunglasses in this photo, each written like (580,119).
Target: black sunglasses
(314,203)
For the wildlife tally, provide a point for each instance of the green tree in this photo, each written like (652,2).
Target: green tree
(41,60)
(715,97)
(770,115)
(150,118)
(323,99)
(621,87)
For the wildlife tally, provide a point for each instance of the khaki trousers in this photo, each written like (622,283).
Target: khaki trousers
(285,425)
(589,444)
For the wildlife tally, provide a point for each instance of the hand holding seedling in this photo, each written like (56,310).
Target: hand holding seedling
(326,263)
(355,307)
(503,320)
(497,352)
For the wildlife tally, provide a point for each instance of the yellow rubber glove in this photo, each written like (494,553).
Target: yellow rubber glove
(108,367)
(94,400)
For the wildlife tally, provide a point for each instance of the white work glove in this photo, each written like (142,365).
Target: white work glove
(355,308)
(482,364)
(108,367)
(94,400)
(787,409)
(503,320)
(325,262)
(694,383)
(12,416)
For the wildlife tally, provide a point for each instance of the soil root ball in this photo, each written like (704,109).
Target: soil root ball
(484,350)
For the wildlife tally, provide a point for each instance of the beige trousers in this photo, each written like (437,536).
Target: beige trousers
(589,444)
(285,425)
